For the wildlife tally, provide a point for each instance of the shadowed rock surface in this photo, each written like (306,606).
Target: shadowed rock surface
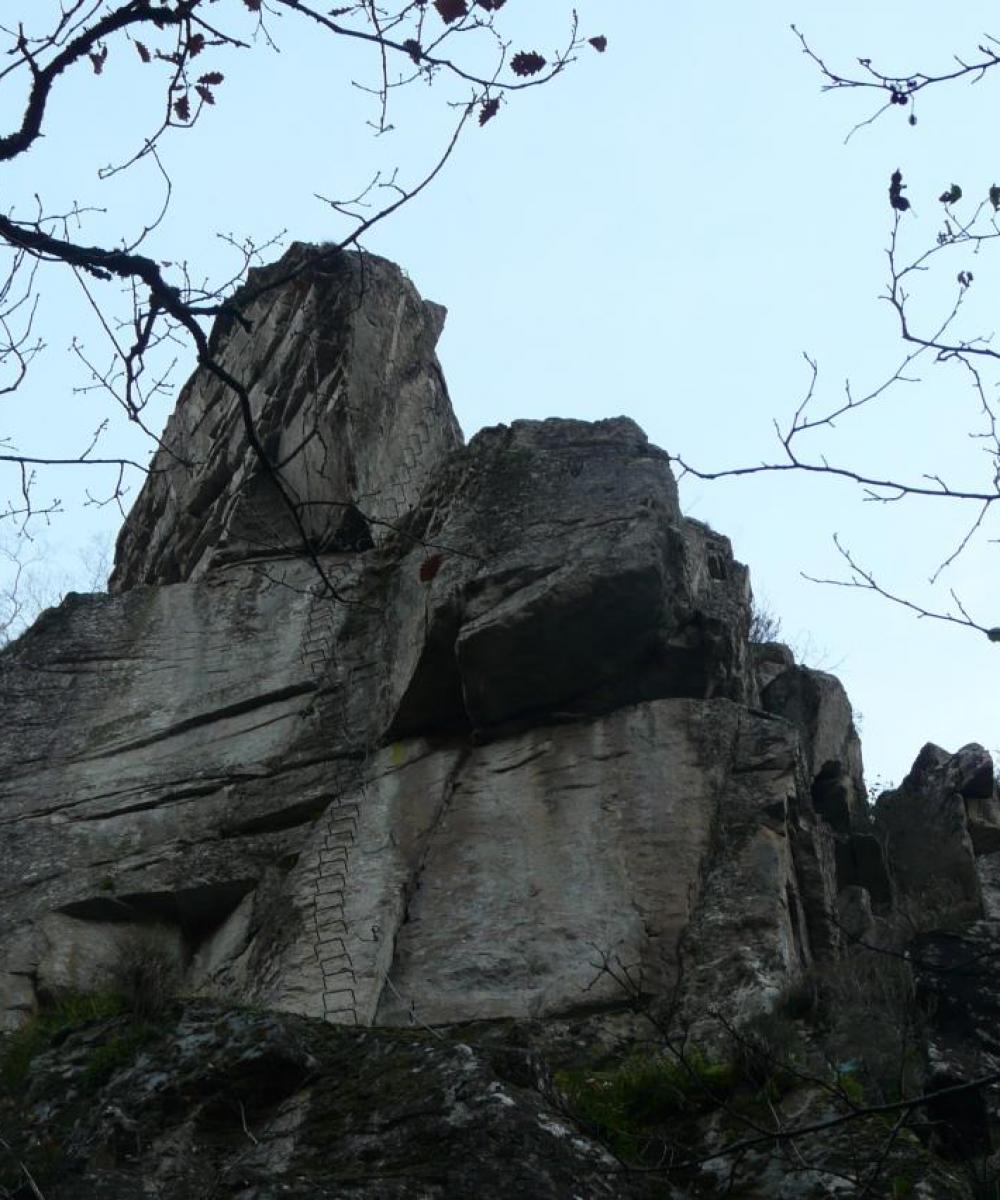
(224,1102)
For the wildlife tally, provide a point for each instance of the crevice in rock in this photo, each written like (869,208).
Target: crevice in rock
(861,863)
(412,885)
(353,533)
(236,709)
(302,813)
(195,911)
(162,801)
(792,901)
(433,702)
(830,793)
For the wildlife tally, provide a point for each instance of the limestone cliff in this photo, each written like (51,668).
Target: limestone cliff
(528,736)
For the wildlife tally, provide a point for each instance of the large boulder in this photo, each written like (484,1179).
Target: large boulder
(548,569)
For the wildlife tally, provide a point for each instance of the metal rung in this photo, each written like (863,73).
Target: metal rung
(338,968)
(342,824)
(350,1017)
(341,995)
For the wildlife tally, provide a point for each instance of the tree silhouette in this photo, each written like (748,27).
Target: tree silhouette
(932,241)
(461,48)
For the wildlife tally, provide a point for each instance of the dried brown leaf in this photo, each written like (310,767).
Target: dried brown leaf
(599,43)
(489,110)
(451,10)
(527,62)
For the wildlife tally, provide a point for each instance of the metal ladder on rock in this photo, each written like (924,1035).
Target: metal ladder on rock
(328,873)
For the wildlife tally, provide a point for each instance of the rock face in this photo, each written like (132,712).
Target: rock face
(337,355)
(528,729)
(499,750)
(929,808)
(519,734)
(941,828)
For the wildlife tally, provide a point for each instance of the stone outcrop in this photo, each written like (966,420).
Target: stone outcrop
(493,746)
(935,826)
(436,796)
(941,829)
(336,353)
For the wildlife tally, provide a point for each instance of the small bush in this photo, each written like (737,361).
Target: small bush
(765,626)
(146,977)
(763,1049)
(142,984)
(863,1007)
(801,999)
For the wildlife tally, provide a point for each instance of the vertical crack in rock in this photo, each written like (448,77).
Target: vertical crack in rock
(409,888)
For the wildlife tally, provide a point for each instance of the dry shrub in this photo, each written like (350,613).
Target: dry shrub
(765,626)
(146,976)
(942,904)
(865,1013)
(764,1048)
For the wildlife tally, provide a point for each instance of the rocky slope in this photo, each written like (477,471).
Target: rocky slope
(236,1103)
(524,766)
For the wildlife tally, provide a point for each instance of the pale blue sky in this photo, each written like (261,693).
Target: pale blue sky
(660,233)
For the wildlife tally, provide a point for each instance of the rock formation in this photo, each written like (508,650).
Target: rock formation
(493,736)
